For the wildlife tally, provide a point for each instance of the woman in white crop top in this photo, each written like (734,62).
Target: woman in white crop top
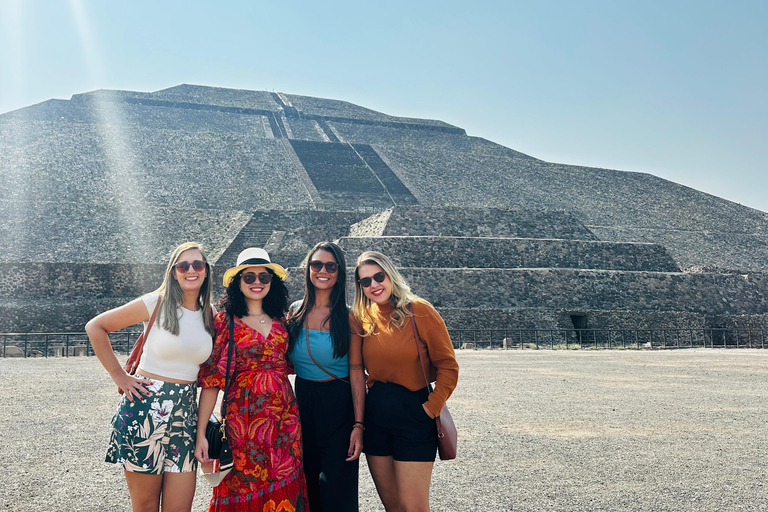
(154,428)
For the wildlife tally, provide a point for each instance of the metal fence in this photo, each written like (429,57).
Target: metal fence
(608,338)
(76,344)
(60,344)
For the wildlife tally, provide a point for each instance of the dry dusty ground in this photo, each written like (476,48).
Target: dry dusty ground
(538,430)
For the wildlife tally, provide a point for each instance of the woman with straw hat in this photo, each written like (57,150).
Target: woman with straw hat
(262,419)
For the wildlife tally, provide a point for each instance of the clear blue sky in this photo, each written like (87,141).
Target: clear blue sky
(678,89)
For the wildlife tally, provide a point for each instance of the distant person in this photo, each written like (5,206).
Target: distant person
(262,419)
(400,432)
(330,386)
(154,428)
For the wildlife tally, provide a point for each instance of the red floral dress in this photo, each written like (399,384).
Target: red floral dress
(262,421)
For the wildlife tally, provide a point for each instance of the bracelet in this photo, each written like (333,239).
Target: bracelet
(358,424)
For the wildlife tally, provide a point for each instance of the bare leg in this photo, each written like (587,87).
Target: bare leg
(178,491)
(383,473)
(144,490)
(413,479)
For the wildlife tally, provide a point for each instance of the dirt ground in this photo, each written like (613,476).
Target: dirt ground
(538,430)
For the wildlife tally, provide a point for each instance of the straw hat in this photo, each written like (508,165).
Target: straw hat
(253,257)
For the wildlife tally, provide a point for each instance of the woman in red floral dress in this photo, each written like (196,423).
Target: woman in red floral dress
(262,421)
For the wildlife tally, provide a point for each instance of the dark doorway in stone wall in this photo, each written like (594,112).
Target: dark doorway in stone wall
(579,321)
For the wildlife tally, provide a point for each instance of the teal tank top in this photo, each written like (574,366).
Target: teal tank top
(322,351)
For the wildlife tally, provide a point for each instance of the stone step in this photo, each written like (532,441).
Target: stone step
(473,252)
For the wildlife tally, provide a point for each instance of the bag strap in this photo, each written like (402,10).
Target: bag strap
(231,344)
(417,338)
(138,349)
(309,351)
(152,318)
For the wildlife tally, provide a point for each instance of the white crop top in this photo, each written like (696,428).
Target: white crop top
(176,357)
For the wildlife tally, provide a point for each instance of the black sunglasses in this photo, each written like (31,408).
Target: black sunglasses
(330,266)
(250,277)
(183,266)
(365,282)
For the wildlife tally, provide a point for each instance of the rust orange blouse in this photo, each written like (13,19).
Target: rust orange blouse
(390,355)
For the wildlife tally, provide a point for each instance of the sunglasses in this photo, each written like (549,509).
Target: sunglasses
(365,282)
(263,277)
(183,266)
(330,266)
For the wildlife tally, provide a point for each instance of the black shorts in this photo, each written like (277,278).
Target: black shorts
(396,424)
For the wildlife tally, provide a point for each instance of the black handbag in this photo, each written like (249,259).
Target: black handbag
(215,431)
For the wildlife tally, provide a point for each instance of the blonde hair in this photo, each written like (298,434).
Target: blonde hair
(171,295)
(400,298)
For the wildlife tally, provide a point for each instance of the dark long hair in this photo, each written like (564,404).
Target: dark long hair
(275,304)
(338,319)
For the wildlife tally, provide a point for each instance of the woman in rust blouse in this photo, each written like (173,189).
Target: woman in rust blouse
(400,438)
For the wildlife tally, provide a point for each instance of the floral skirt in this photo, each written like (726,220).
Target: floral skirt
(286,496)
(157,434)
(265,439)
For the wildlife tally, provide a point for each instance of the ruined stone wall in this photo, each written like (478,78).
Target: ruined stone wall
(475,222)
(302,230)
(372,226)
(49,297)
(461,252)
(62,297)
(585,290)
(726,250)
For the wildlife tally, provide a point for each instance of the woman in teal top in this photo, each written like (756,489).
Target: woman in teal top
(330,388)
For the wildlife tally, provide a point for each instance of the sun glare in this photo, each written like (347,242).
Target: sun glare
(123,170)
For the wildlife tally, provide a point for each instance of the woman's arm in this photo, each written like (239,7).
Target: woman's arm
(433,331)
(98,329)
(208,397)
(357,381)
